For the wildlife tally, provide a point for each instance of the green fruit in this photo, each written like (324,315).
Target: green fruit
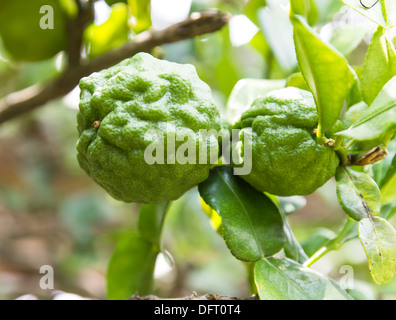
(119,109)
(286,159)
(22,34)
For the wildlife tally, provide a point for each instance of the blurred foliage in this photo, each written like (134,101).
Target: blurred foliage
(52,213)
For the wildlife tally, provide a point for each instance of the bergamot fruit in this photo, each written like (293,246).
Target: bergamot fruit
(286,158)
(128,110)
(22,34)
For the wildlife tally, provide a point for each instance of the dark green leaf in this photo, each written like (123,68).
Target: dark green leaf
(325,70)
(357,193)
(380,66)
(252,224)
(284,279)
(131,268)
(378,239)
(379,120)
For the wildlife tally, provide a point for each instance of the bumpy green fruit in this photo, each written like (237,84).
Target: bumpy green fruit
(128,108)
(286,159)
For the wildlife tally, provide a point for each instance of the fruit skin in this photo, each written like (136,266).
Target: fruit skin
(286,159)
(20,29)
(129,99)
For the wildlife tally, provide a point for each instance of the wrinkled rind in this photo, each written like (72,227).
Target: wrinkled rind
(286,160)
(137,95)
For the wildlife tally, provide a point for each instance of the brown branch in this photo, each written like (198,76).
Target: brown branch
(21,102)
(75,28)
(194,296)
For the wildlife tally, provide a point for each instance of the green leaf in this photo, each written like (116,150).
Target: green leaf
(109,35)
(151,218)
(384,170)
(305,8)
(292,247)
(379,120)
(252,224)
(325,70)
(290,205)
(140,10)
(346,39)
(380,66)
(245,92)
(378,239)
(297,80)
(317,240)
(389,191)
(357,193)
(376,13)
(131,268)
(278,31)
(284,279)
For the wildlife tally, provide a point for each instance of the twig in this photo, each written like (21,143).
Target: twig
(21,102)
(75,28)
(194,296)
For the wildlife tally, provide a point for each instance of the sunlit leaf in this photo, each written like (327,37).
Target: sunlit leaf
(380,65)
(284,279)
(325,70)
(245,92)
(140,10)
(109,35)
(378,239)
(278,31)
(379,119)
(357,193)
(376,12)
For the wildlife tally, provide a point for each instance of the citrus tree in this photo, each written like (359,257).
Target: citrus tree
(150,130)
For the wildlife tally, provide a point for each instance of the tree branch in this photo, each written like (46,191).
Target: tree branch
(21,102)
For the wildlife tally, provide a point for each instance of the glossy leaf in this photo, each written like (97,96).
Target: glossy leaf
(357,193)
(140,10)
(245,92)
(305,8)
(109,35)
(378,239)
(252,224)
(380,66)
(325,70)
(379,120)
(284,279)
(131,268)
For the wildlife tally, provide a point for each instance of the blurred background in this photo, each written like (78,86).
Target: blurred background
(51,213)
